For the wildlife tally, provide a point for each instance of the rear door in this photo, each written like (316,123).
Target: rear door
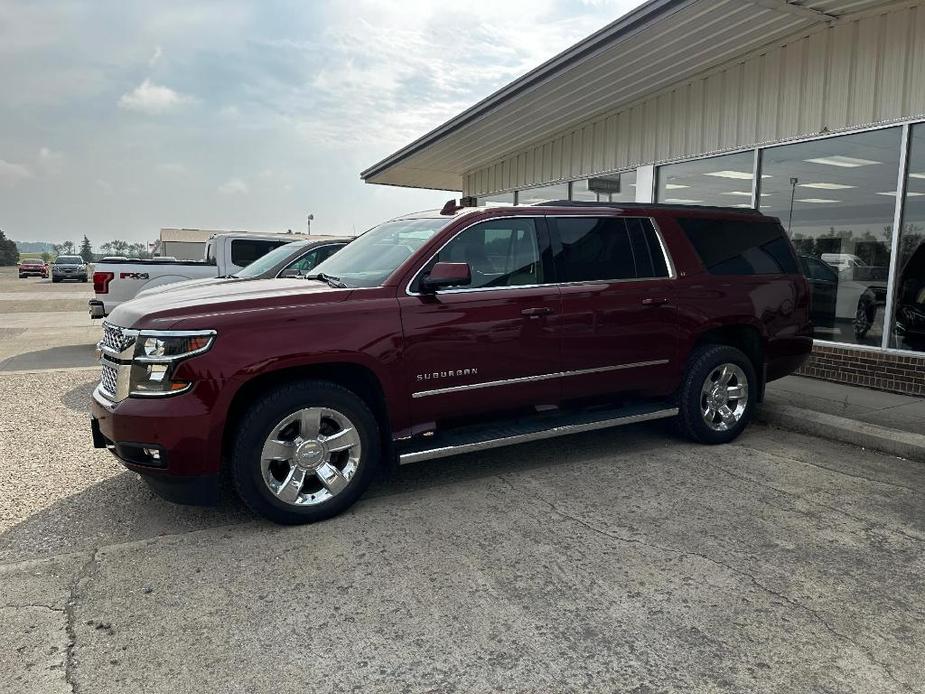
(618,327)
(490,345)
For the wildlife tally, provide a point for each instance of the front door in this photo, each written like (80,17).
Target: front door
(491,345)
(618,326)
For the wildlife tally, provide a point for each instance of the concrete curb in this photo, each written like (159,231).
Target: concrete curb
(902,444)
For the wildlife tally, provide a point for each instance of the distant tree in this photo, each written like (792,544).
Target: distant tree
(46,256)
(139,250)
(9,253)
(86,252)
(65,248)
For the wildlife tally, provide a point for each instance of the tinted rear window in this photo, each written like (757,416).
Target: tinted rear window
(246,251)
(608,248)
(741,246)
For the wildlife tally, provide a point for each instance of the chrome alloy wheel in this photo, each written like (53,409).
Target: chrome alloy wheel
(310,456)
(724,397)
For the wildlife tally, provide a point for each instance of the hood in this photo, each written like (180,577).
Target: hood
(185,284)
(219,299)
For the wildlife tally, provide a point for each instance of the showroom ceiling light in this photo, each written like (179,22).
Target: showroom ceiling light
(826,186)
(682,201)
(675,186)
(818,201)
(909,193)
(917,175)
(842,162)
(742,193)
(741,175)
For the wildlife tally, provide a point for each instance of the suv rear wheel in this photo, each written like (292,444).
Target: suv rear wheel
(305,452)
(717,395)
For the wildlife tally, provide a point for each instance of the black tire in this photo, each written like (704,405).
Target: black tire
(55,280)
(258,423)
(702,363)
(864,317)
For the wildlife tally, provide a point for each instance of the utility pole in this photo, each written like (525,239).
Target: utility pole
(308,223)
(793,192)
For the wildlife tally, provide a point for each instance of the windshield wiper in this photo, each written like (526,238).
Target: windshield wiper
(330,279)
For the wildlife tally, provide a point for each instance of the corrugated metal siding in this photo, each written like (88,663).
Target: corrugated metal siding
(844,76)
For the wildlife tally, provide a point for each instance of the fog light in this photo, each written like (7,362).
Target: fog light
(152,453)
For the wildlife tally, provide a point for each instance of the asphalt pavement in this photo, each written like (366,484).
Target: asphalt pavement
(625,560)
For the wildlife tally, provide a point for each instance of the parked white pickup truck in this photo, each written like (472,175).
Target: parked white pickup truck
(116,281)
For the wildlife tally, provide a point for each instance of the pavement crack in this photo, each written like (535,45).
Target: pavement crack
(70,659)
(836,471)
(33,606)
(795,604)
(866,523)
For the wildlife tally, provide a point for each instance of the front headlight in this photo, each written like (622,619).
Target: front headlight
(157,354)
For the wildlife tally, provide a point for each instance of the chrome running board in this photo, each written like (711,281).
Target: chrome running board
(473,439)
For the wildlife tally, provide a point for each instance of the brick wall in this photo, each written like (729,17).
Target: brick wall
(861,367)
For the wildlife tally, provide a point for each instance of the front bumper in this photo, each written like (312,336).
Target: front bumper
(187,468)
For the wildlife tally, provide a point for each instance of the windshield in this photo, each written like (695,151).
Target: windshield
(372,257)
(69,260)
(271,259)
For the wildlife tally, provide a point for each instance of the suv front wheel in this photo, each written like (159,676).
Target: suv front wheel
(305,452)
(717,396)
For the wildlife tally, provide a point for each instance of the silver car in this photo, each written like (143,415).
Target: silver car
(68,267)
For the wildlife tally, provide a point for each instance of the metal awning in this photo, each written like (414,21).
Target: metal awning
(658,44)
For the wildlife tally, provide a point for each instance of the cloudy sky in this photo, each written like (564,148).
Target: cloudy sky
(118,118)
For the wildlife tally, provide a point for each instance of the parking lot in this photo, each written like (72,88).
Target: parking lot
(624,560)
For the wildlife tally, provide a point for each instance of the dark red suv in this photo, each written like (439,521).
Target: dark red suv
(444,332)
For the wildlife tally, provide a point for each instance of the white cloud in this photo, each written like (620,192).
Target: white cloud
(152,99)
(385,72)
(234,186)
(11,174)
(49,161)
(173,168)
(158,52)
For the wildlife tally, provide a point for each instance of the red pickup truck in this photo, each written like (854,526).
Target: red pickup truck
(446,332)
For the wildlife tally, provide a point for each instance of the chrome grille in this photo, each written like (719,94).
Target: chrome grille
(115,338)
(108,379)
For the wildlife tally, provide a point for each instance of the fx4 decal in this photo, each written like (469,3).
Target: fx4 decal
(133,275)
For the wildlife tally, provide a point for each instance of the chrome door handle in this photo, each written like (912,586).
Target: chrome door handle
(655,302)
(536,312)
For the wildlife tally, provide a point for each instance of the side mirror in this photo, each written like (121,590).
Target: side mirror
(290,272)
(446,275)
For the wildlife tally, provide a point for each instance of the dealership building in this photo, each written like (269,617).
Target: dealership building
(810,110)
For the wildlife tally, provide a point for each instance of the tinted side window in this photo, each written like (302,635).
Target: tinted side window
(500,253)
(647,251)
(609,248)
(308,261)
(740,247)
(246,251)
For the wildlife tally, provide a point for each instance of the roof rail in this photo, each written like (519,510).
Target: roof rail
(646,205)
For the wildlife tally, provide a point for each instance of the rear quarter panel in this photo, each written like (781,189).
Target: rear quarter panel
(777,306)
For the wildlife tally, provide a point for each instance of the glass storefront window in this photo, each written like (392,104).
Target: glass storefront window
(619,187)
(909,313)
(724,181)
(836,198)
(541,194)
(498,200)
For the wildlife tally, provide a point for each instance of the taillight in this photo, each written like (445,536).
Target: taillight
(101,282)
